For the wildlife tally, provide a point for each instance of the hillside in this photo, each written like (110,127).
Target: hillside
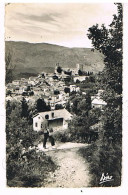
(32,58)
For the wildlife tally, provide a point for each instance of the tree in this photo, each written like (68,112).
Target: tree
(59,69)
(41,106)
(109,42)
(81,106)
(95,115)
(80,73)
(75,102)
(67,90)
(68,73)
(92,78)
(79,128)
(58,106)
(56,92)
(8,92)
(68,107)
(108,148)
(31,93)
(24,107)
(55,77)
(9,67)
(77,81)
(88,102)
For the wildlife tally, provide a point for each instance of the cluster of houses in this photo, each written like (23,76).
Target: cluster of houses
(53,89)
(50,86)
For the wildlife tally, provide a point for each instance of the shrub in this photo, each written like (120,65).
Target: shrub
(26,166)
(61,136)
(103,157)
(29,169)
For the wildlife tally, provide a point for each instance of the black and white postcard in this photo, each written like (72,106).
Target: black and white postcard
(63,95)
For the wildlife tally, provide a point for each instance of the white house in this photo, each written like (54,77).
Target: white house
(30,82)
(16,82)
(57,119)
(98,103)
(79,78)
(74,88)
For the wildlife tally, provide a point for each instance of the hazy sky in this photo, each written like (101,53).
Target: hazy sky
(61,24)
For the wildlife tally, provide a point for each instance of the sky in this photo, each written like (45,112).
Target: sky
(63,24)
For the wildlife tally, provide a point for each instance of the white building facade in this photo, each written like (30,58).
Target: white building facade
(57,119)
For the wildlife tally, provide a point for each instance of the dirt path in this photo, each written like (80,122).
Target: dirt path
(72,169)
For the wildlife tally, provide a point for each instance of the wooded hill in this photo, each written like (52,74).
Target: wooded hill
(30,58)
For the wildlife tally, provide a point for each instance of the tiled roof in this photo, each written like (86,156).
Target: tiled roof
(62,113)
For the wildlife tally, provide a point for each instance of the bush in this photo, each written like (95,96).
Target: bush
(29,169)
(68,136)
(62,136)
(103,157)
(26,167)
(31,181)
(58,106)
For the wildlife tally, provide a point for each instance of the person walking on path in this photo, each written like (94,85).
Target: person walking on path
(51,139)
(46,133)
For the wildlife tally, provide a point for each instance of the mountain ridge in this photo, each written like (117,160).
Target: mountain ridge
(36,57)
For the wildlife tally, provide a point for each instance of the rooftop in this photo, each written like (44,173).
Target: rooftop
(99,102)
(62,113)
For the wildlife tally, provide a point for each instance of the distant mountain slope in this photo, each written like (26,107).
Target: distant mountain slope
(33,58)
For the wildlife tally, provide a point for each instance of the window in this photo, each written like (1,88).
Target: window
(36,124)
(46,116)
(52,114)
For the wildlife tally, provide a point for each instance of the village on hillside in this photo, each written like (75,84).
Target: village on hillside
(55,89)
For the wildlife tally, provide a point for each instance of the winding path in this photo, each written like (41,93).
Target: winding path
(73,171)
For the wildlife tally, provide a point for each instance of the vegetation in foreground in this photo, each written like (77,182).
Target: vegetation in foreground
(105,154)
(104,158)
(26,165)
